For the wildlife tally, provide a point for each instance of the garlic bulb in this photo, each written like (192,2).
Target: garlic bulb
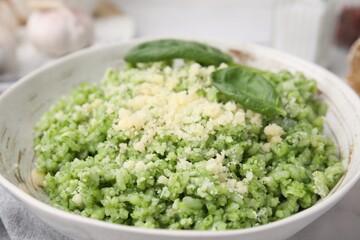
(59,30)
(353,77)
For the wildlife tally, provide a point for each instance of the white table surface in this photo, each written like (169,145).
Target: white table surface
(241,20)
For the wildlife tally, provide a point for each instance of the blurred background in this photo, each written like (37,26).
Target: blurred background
(35,32)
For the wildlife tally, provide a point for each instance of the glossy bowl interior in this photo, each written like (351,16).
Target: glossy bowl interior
(22,105)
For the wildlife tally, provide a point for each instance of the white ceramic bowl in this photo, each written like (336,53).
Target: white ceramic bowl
(22,105)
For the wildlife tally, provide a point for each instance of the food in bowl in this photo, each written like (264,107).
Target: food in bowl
(201,144)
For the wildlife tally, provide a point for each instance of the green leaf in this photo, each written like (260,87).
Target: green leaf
(248,88)
(169,49)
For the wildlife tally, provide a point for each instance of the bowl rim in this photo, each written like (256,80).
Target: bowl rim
(321,205)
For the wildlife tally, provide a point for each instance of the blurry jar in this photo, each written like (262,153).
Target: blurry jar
(348,28)
(305,28)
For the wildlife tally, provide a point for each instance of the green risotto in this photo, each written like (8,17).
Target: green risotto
(156,145)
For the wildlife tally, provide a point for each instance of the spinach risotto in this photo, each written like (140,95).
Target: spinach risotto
(187,146)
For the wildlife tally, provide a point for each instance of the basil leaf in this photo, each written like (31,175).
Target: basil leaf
(169,49)
(248,88)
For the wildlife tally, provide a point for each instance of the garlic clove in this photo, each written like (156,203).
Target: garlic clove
(61,30)
(7,17)
(21,9)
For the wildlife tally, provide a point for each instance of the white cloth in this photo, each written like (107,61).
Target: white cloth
(21,224)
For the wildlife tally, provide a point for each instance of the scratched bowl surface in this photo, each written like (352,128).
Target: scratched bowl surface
(22,105)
